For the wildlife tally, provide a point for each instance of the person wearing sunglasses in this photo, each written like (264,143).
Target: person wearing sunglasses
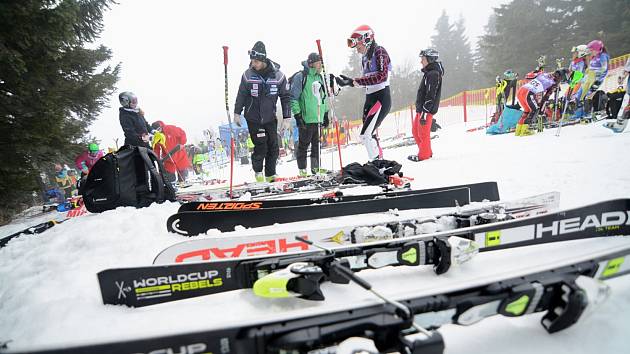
(376,68)
(261,86)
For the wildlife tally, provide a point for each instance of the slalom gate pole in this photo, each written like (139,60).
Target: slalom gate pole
(227,111)
(330,100)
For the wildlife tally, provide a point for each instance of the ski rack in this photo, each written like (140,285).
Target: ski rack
(563,291)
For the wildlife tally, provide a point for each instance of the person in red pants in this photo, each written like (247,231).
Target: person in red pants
(427,103)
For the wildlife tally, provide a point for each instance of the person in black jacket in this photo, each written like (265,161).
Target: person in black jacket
(427,103)
(261,85)
(132,121)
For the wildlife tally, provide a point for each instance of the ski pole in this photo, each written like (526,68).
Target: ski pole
(330,99)
(227,111)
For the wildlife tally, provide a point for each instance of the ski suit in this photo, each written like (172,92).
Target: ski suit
(578,64)
(595,74)
(258,94)
(527,93)
(313,110)
(427,104)
(376,67)
(85,161)
(178,162)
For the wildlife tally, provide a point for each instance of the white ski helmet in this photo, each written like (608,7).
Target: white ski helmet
(362,34)
(581,50)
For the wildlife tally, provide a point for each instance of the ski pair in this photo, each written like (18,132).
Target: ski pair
(142,286)
(381,226)
(254,214)
(564,291)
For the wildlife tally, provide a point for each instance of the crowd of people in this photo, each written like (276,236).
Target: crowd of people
(306,111)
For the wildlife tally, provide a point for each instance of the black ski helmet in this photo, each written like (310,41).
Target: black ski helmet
(128,99)
(431,54)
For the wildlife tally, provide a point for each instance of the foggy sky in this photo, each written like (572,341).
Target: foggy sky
(172,58)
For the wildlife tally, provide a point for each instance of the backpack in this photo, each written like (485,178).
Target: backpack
(132,176)
(304,76)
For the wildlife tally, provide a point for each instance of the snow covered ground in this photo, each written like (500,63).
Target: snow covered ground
(49,295)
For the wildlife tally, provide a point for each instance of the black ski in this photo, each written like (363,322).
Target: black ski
(31,230)
(478,191)
(149,285)
(561,292)
(192,223)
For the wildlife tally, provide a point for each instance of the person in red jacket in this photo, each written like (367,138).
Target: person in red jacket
(165,139)
(88,158)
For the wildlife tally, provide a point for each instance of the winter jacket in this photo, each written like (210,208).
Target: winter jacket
(258,94)
(428,97)
(134,126)
(174,136)
(86,159)
(303,101)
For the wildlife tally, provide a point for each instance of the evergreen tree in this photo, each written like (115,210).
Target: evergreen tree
(451,42)
(51,88)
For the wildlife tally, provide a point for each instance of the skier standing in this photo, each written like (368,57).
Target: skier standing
(166,138)
(595,74)
(544,83)
(376,67)
(308,104)
(427,103)
(132,121)
(261,85)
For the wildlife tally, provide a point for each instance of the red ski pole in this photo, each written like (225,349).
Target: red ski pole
(330,100)
(227,111)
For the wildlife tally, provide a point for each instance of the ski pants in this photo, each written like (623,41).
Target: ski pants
(265,139)
(527,100)
(309,135)
(376,108)
(422,134)
(625,102)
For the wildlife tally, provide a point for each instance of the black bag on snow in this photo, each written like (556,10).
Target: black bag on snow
(373,173)
(132,176)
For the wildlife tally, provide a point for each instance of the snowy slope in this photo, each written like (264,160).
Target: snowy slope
(49,294)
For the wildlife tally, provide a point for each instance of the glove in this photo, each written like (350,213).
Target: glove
(237,119)
(423,120)
(299,120)
(326,121)
(343,80)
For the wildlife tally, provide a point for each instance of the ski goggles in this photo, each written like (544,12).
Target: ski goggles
(353,41)
(256,55)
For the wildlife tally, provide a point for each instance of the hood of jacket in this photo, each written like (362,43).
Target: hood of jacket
(436,65)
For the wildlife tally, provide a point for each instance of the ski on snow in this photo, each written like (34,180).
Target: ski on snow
(304,272)
(254,214)
(387,225)
(563,291)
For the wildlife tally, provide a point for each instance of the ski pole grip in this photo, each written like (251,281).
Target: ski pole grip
(225,55)
(319,47)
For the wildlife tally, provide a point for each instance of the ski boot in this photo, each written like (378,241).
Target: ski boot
(319,171)
(618,126)
(270,178)
(260,177)
(303,172)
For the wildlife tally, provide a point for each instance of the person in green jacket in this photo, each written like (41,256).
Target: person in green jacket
(308,104)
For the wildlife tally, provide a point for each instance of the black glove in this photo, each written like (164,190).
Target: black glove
(299,120)
(423,119)
(326,121)
(343,80)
